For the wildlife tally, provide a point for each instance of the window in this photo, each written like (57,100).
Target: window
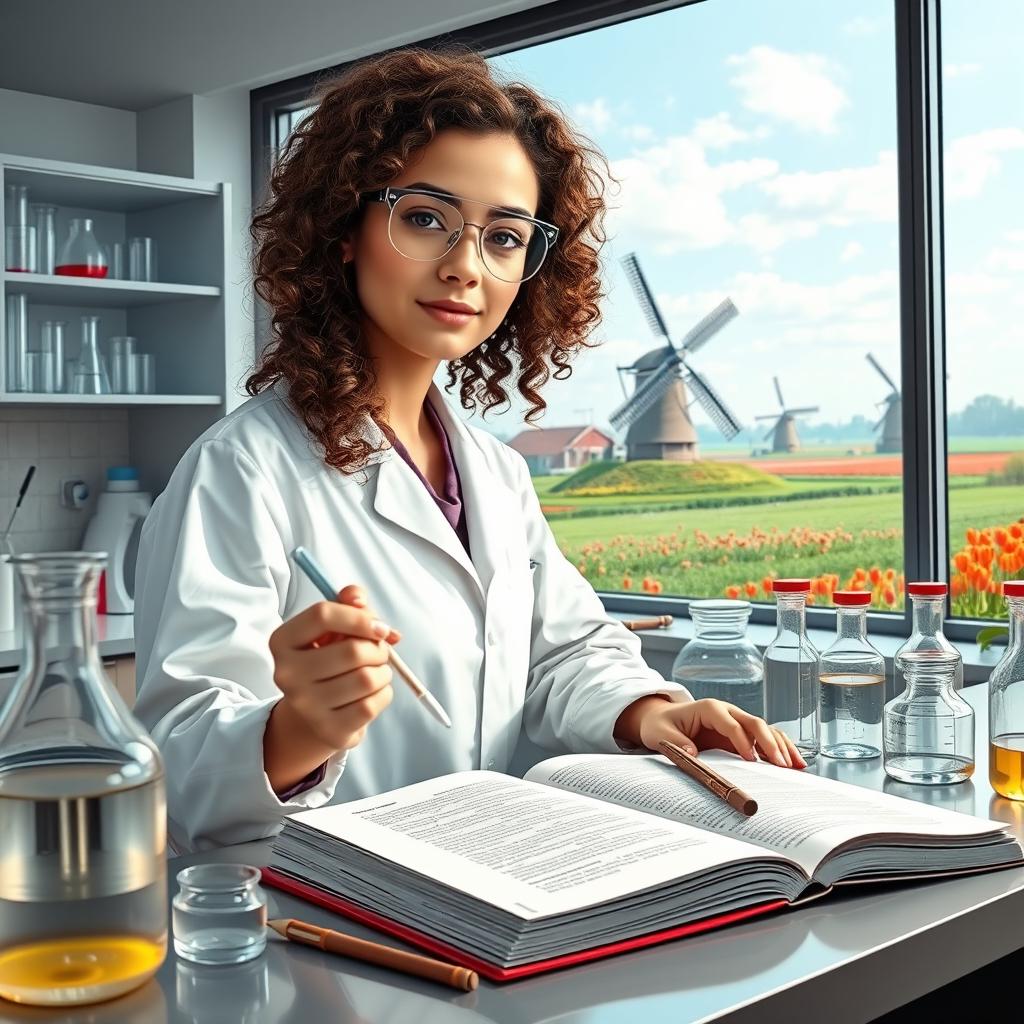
(983,149)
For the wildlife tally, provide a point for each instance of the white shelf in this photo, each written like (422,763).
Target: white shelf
(33,398)
(56,290)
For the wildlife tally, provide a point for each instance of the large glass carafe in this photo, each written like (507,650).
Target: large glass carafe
(83,897)
(1006,704)
(720,661)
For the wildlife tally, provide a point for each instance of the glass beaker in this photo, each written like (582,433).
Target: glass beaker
(852,691)
(89,376)
(720,661)
(46,237)
(142,259)
(82,255)
(83,899)
(928,602)
(1006,703)
(52,343)
(220,914)
(791,668)
(929,728)
(122,351)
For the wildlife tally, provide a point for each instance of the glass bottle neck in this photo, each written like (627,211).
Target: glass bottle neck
(1015,609)
(62,629)
(928,614)
(720,624)
(792,613)
(851,623)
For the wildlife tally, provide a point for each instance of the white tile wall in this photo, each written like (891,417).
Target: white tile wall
(63,444)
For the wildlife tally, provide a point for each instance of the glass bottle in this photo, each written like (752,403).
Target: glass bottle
(1006,703)
(89,374)
(720,661)
(852,690)
(929,728)
(791,669)
(82,255)
(83,892)
(928,601)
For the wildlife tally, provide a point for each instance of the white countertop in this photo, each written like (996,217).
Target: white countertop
(116,635)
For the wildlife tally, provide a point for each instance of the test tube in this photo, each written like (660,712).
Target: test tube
(17,342)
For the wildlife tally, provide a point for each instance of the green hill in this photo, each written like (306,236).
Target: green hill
(654,476)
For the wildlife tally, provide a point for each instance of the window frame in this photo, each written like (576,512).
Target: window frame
(918,71)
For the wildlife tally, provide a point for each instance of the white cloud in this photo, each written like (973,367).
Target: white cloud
(972,159)
(719,131)
(960,70)
(793,87)
(594,116)
(638,132)
(851,251)
(862,26)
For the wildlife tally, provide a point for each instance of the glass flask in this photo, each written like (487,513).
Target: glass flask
(720,661)
(791,669)
(928,601)
(83,892)
(1006,704)
(89,373)
(852,692)
(929,728)
(82,255)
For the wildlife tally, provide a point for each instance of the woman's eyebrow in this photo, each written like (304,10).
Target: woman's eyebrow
(457,202)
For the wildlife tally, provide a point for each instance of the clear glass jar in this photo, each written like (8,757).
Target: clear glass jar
(82,255)
(928,603)
(928,735)
(791,669)
(852,692)
(720,661)
(89,374)
(1006,703)
(220,914)
(83,891)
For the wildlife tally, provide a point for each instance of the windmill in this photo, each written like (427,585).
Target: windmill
(892,419)
(786,438)
(658,411)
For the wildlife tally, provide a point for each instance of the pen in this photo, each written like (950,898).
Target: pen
(700,772)
(374,953)
(657,622)
(306,562)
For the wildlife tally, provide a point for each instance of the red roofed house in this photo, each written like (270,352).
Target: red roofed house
(562,449)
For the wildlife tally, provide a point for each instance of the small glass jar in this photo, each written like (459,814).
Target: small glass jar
(791,668)
(852,692)
(720,661)
(1006,703)
(219,914)
(928,737)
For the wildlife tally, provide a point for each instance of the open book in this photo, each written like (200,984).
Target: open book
(594,854)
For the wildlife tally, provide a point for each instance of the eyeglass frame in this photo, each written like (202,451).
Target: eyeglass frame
(391,195)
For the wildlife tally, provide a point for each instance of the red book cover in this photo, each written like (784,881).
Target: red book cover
(321,897)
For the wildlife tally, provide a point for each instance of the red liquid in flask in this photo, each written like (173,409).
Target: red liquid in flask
(80,270)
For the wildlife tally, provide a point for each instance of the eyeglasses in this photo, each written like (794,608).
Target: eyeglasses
(424,225)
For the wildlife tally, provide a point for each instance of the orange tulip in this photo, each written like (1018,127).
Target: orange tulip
(655,587)
(627,582)
(972,536)
(766,584)
(751,589)
(961,561)
(890,596)
(875,574)
(732,593)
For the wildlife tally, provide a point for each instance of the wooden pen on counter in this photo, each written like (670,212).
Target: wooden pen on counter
(374,953)
(700,772)
(657,622)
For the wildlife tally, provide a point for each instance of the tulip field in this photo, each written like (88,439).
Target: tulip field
(842,530)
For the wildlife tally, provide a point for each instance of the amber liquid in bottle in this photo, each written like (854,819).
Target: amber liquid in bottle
(1006,766)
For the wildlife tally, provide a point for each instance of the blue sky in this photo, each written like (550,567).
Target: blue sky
(755,141)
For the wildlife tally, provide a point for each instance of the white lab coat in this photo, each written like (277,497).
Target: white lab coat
(513,637)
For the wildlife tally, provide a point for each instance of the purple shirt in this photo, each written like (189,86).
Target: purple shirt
(450,504)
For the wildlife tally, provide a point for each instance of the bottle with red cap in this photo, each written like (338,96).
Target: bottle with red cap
(1006,704)
(852,693)
(928,601)
(791,668)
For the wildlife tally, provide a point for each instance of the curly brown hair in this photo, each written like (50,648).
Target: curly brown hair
(366,126)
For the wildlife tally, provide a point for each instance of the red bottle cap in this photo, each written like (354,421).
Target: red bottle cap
(1013,588)
(926,589)
(852,598)
(791,586)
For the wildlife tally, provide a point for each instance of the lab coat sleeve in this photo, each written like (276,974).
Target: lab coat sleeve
(211,581)
(585,667)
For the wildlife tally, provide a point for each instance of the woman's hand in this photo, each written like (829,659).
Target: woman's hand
(705,724)
(331,664)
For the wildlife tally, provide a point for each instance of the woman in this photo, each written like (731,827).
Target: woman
(422,214)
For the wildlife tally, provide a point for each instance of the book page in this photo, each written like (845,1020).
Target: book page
(528,849)
(799,814)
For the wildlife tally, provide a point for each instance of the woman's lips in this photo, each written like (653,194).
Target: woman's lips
(446,316)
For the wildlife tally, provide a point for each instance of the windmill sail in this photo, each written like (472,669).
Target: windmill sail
(878,366)
(778,391)
(716,409)
(644,296)
(647,393)
(704,330)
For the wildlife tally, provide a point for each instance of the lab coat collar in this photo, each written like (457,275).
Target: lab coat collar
(488,501)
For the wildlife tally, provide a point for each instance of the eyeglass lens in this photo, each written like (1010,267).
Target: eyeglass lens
(424,227)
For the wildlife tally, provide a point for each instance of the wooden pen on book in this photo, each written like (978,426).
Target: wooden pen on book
(374,953)
(700,772)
